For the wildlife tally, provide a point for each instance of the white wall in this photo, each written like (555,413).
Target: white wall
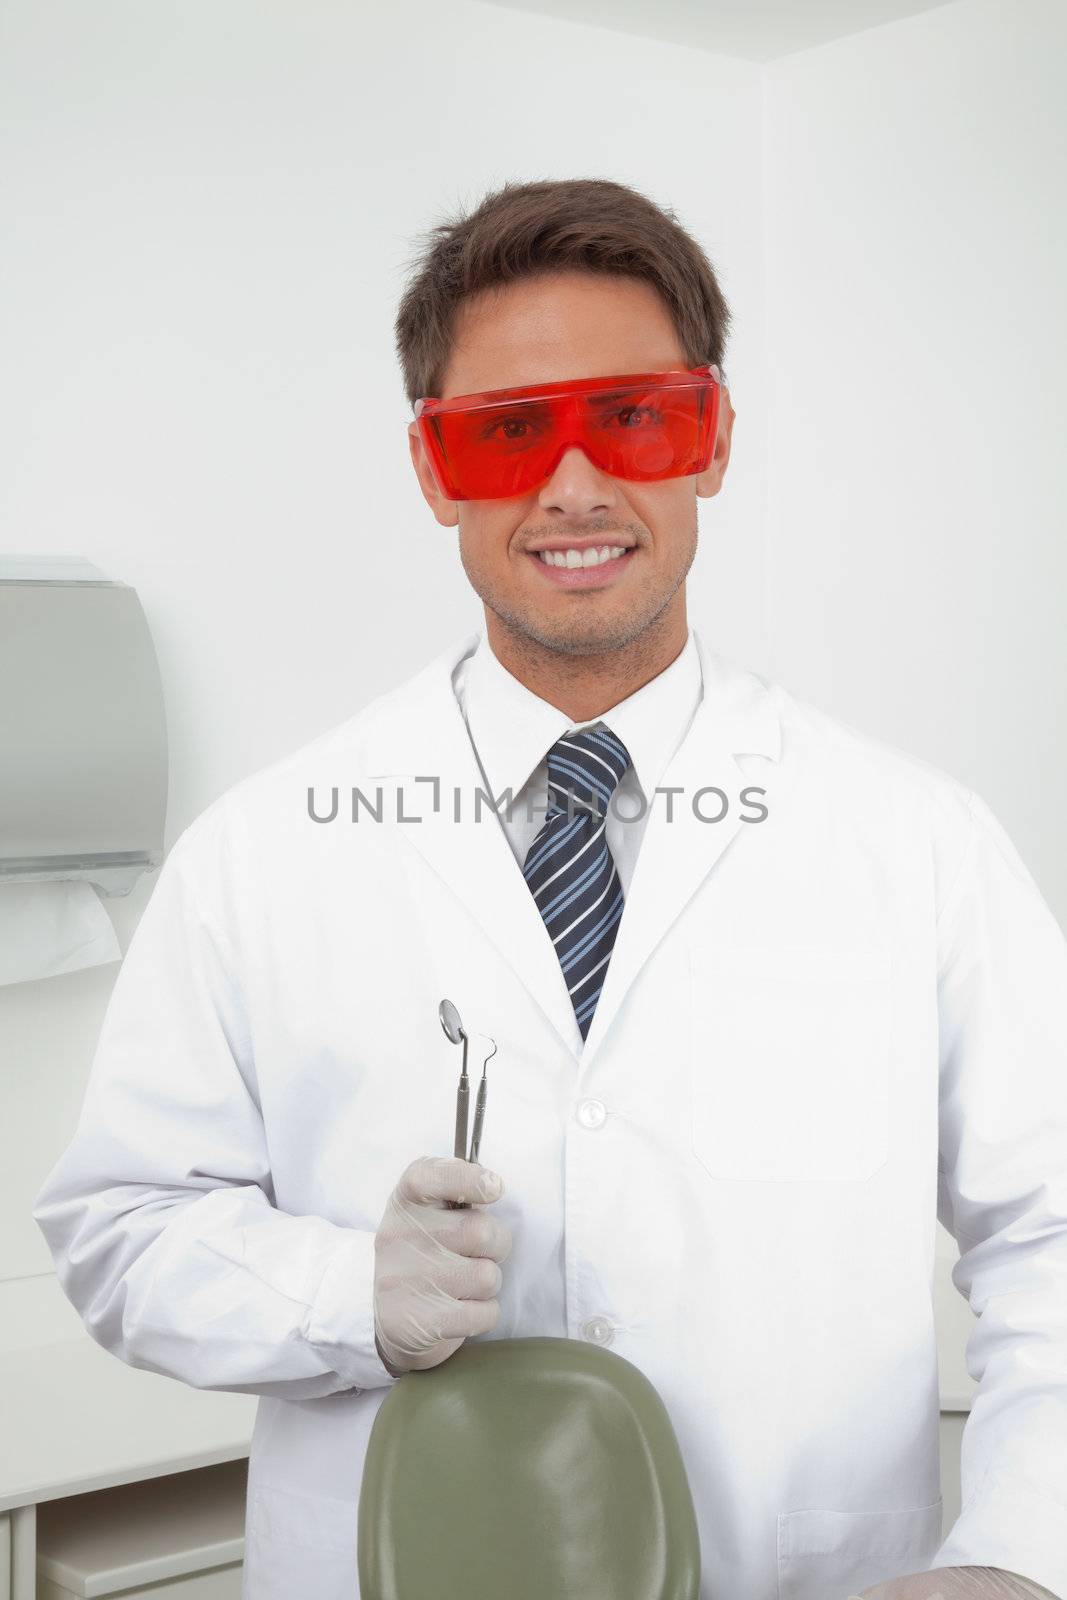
(916,560)
(211,209)
(916,257)
(213,218)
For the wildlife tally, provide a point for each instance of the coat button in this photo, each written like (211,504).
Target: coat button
(591,1113)
(598,1330)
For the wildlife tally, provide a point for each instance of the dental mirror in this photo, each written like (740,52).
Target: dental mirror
(450,1021)
(454,1031)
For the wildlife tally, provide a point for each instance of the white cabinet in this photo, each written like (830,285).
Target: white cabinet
(179,1537)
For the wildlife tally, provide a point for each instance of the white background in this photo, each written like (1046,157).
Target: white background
(207,213)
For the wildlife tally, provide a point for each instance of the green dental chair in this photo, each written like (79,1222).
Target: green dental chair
(526,1469)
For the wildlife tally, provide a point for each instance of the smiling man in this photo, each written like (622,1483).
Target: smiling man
(768,998)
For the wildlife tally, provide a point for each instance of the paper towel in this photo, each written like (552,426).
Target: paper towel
(49,928)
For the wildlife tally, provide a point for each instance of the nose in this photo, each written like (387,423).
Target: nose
(576,486)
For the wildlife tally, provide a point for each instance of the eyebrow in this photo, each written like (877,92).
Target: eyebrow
(605,399)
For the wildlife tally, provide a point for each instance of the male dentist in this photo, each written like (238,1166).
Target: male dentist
(769,998)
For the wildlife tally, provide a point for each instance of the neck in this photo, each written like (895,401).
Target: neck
(585,686)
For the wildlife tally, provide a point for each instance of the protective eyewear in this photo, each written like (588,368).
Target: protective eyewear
(642,426)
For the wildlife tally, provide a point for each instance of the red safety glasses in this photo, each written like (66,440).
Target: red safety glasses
(642,426)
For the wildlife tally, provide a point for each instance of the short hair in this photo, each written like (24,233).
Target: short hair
(529,230)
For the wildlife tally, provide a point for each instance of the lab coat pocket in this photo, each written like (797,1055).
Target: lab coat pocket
(789,1062)
(829,1555)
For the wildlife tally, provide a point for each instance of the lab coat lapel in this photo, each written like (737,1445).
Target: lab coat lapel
(425,736)
(735,716)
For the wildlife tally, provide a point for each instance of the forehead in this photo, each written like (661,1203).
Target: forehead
(560,326)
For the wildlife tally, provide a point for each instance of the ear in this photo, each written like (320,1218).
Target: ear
(709,481)
(446,511)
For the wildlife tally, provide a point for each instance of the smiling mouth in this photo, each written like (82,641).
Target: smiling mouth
(581,556)
(582,569)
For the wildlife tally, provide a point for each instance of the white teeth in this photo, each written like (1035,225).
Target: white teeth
(592,557)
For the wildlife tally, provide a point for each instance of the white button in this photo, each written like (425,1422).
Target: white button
(591,1113)
(598,1330)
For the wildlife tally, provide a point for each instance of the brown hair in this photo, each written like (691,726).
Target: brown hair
(526,230)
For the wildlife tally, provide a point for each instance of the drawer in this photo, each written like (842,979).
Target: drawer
(178,1537)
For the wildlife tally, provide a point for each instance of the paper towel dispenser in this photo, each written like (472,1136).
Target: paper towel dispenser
(83,740)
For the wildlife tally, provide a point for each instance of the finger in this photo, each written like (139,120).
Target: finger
(466,1319)
(434,1179)
(428,1237)
(468,1277)
(426,1360)
(474,1233)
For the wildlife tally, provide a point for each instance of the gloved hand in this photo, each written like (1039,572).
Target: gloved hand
(957,1583)
(436,1270)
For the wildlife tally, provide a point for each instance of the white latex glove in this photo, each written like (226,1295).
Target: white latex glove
(436,1271)
(958,1583)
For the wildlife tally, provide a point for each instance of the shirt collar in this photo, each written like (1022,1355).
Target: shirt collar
(512,728)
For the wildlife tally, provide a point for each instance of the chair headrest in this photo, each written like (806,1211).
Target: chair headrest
(526,1469)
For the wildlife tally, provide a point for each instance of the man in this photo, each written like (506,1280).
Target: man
(750,1043)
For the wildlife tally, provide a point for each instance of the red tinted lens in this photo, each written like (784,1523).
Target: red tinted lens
(641,432)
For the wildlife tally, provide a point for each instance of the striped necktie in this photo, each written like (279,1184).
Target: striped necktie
(569,867)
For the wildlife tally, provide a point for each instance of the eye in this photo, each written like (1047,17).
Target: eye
(635,417)
(511,429)
(508,428)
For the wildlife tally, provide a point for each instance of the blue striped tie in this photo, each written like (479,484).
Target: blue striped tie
(569,867)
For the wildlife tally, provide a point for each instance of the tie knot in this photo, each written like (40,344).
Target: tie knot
(586,765)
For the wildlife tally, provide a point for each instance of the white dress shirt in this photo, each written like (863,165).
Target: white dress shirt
(512,729)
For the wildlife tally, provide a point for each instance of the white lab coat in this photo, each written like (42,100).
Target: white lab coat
(817,1032)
